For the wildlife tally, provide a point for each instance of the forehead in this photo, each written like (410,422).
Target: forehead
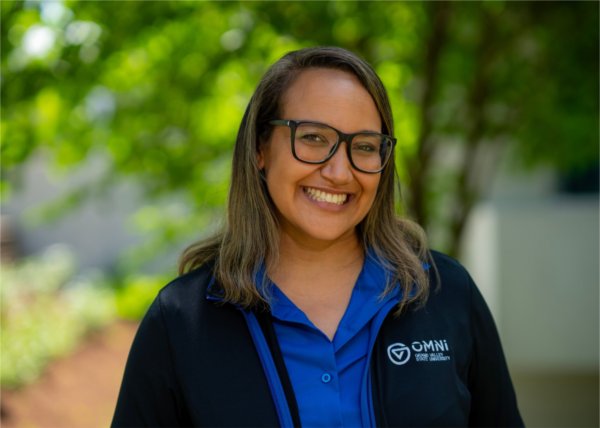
(331,96)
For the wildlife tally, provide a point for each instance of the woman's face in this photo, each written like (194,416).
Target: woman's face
(321,203)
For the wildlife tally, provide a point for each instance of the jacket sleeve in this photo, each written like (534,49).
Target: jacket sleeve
(493,397)
(149,392)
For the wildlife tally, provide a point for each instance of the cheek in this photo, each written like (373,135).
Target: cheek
(372,185)
(371,189)
(271,157)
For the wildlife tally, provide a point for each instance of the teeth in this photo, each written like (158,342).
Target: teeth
(318,195)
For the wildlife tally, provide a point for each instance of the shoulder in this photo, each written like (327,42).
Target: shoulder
(184,308)
(448,274)
(448,268)
(451,284)
(186,295)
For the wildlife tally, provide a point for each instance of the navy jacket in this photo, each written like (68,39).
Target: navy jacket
(196,361)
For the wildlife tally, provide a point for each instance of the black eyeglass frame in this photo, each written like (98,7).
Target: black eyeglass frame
(293,124)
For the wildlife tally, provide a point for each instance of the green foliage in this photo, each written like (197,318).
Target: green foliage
(160,88)
(561,97)
(45,312)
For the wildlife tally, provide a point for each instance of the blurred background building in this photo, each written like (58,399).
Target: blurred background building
(532,247)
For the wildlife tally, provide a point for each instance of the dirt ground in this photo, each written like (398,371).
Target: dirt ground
(77,391)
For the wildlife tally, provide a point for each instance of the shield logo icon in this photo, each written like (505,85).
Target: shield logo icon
(398,353)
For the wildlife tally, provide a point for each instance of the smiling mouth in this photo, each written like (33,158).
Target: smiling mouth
(331,198)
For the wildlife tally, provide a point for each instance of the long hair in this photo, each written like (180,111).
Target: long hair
(250,236)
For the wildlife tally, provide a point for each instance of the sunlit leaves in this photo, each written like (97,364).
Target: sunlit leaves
(160,87)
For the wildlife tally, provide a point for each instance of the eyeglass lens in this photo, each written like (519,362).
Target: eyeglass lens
(315,142)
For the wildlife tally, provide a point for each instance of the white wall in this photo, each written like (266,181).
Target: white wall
(537,264)
(97,231)
(534,254)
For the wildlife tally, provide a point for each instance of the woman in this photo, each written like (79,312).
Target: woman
(312,307)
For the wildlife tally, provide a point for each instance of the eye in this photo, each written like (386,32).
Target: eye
(365,147)
(312,138)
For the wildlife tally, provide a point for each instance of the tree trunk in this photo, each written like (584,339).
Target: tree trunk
(418,165)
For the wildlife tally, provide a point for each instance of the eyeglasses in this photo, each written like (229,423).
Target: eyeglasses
(316,143)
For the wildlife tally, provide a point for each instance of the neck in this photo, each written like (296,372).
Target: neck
(316,264)
(340,252)
(319,279)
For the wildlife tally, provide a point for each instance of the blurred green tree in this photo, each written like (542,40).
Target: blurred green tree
(499,75)
(159,89)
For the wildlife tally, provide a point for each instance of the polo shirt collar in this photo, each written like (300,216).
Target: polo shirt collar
(365,302)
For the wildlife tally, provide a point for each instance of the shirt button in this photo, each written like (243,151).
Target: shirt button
(325,378)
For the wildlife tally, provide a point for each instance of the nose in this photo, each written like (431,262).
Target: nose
(338,169)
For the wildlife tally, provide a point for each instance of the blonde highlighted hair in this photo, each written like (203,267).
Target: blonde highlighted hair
(250,236)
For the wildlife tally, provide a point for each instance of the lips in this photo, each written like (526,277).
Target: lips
(321,196)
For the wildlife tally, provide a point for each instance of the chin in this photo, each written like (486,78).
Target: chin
(332,236)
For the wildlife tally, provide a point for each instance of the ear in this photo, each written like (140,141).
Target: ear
(261,154)
(260,158)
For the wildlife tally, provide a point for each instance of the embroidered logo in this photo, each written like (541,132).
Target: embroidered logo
(422,350)
(398,353)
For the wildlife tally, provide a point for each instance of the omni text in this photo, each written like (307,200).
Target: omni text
(429,346)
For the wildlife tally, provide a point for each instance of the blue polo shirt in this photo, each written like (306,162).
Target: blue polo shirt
(328,377)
